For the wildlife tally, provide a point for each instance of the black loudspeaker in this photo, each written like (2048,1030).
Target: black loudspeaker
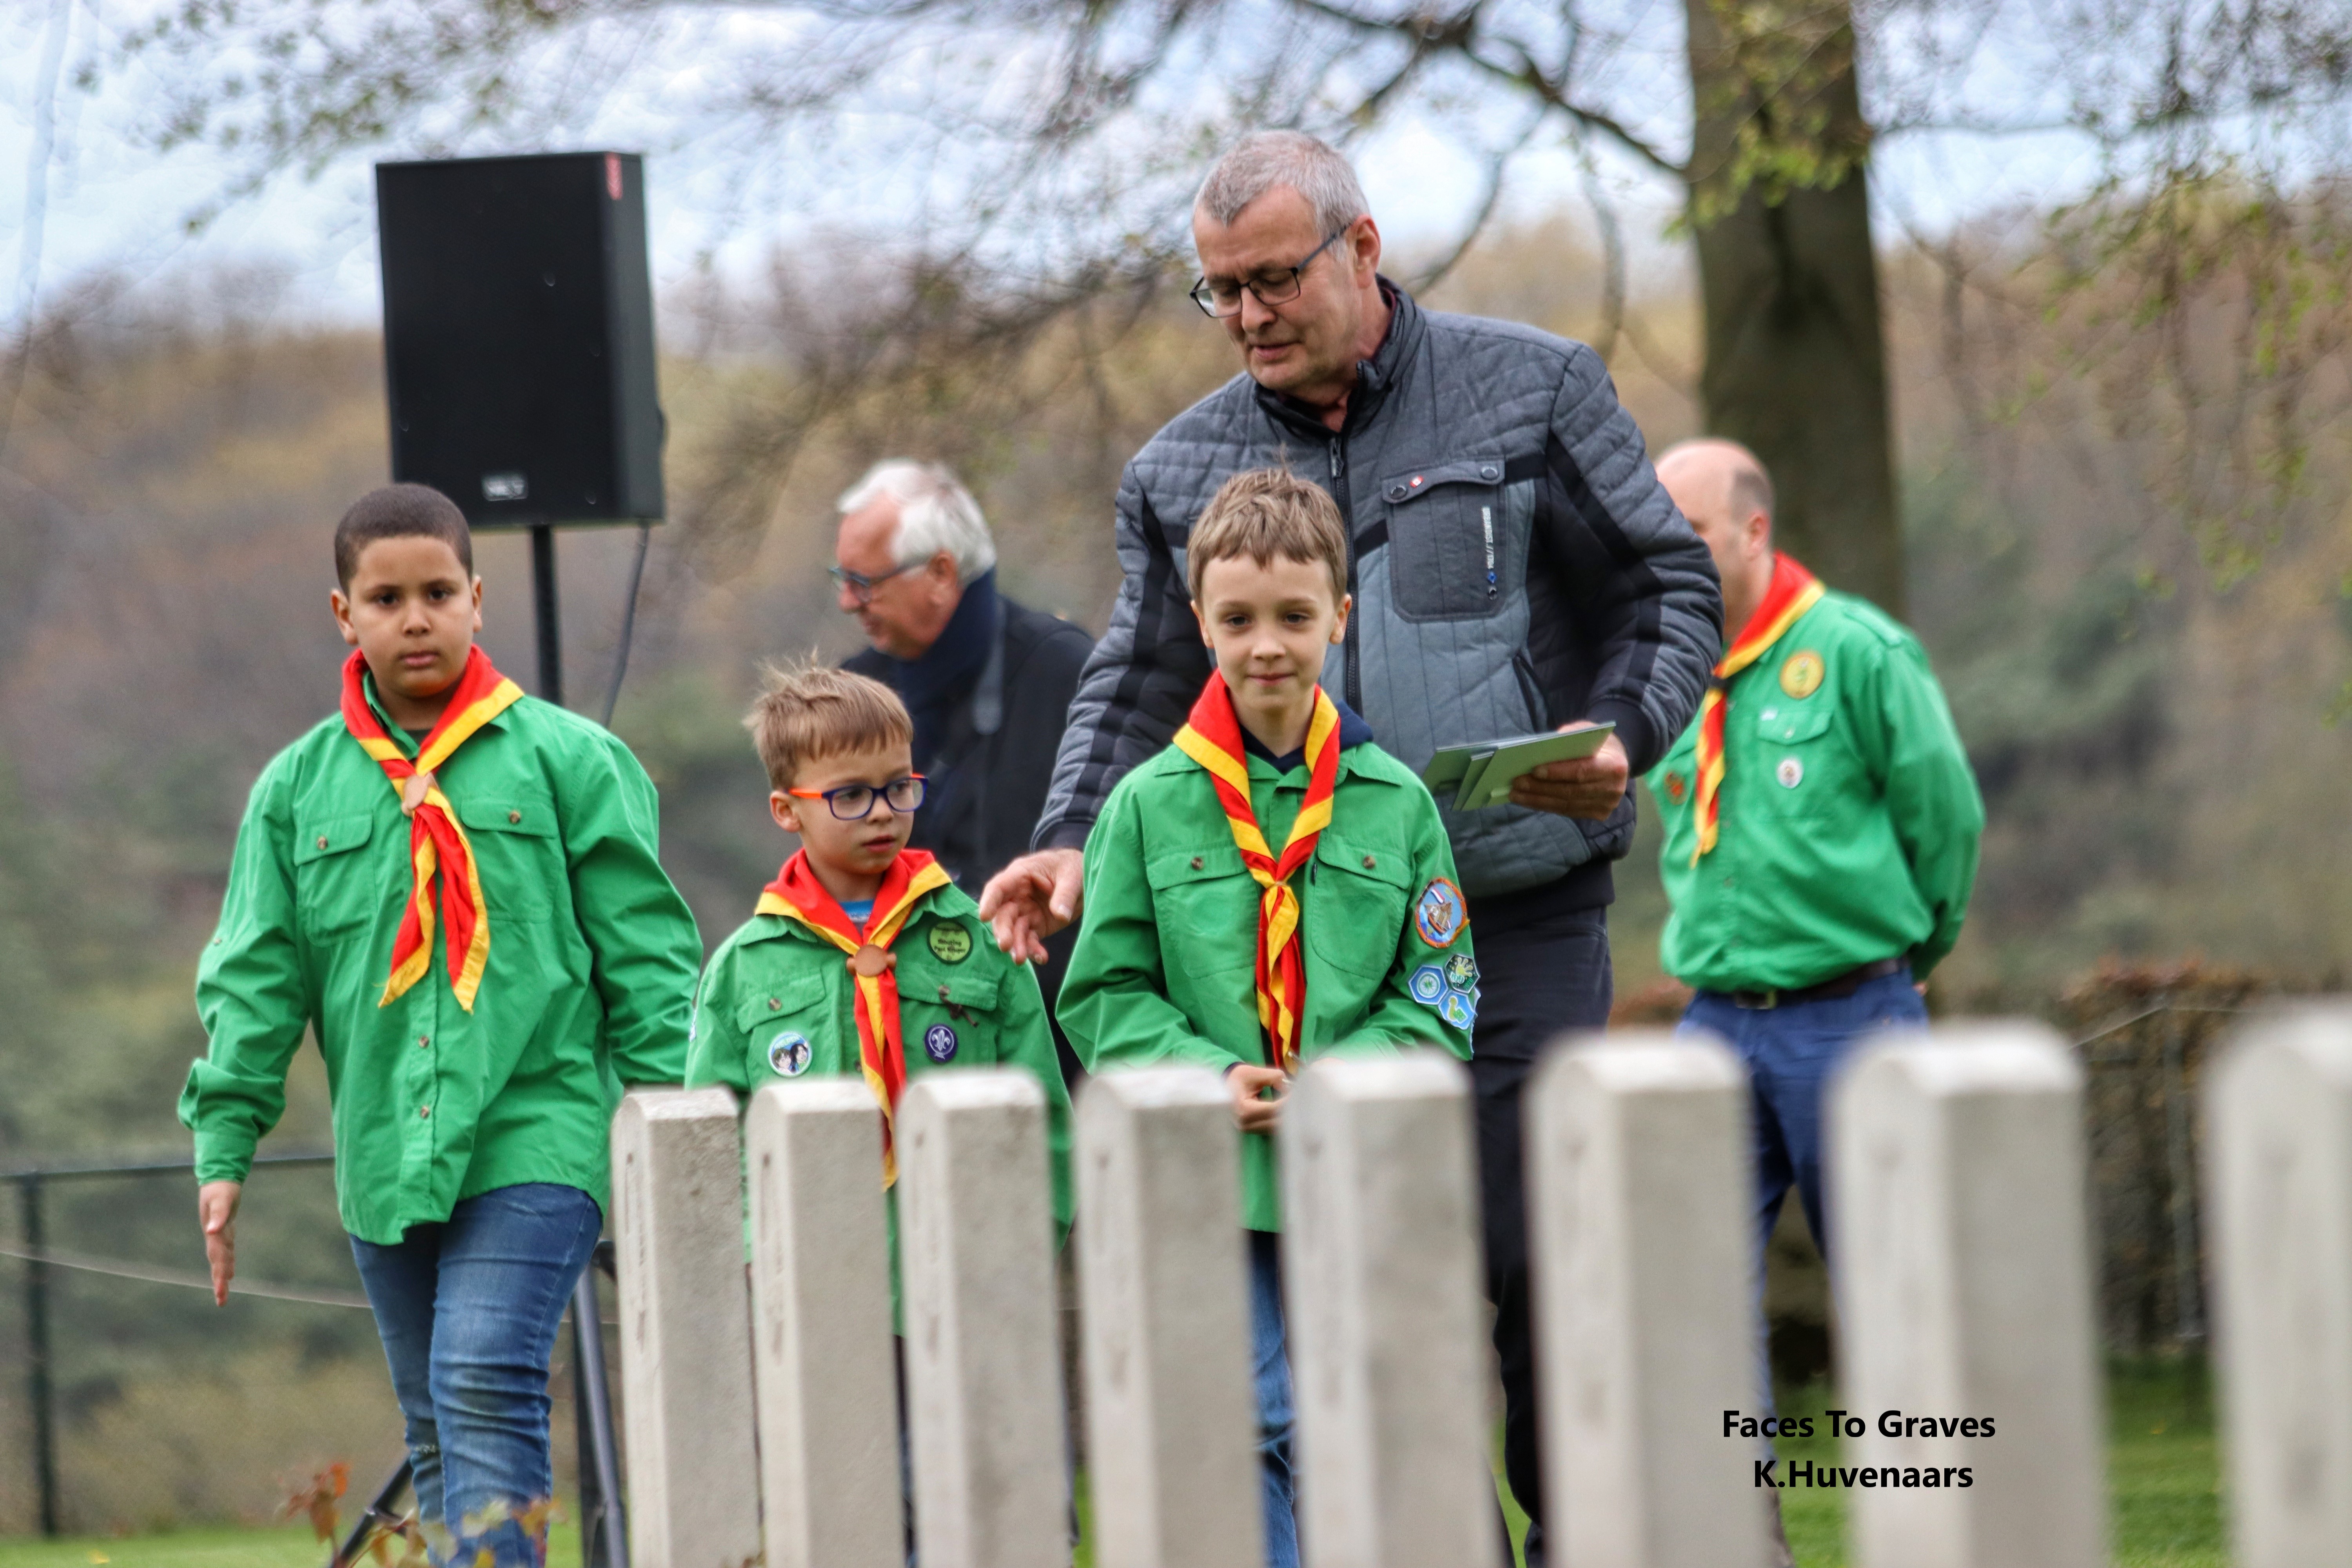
(519,336)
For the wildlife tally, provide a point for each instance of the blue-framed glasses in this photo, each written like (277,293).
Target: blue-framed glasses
(855,803)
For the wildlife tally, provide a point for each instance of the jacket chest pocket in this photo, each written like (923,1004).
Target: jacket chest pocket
(516,853)
(788,1030)
(1356,906)
(336,888)
(1457,539)
(1209,899)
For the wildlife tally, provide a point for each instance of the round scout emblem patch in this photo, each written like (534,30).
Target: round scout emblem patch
(939,1043)
(1676,789)
(951,944)
(1439,915)
(1801,673)
(1791,773)
(1428,984)
(789,1054)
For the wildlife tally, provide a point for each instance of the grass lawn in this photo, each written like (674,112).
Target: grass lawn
(2162,1472)
(290,1546)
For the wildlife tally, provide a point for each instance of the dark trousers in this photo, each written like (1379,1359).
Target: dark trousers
(1540,977)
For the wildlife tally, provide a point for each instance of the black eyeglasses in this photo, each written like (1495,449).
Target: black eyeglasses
(855,803)
(861,587)
(1222,297)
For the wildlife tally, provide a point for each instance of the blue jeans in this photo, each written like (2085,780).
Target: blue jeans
(1270,1363)
(467,1309)
(1791,1053)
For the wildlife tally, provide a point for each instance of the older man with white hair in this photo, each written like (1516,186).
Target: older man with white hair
(989,681)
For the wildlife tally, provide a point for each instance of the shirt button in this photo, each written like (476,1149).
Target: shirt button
(1370,862)
(1196,862)
(775,1003)
(423,1110)
(322,841)
(514,816)
(422,1041)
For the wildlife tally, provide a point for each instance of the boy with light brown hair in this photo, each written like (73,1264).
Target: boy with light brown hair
(861,957)
(1203,942)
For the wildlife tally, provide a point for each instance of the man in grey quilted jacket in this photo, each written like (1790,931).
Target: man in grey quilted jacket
(1516,567)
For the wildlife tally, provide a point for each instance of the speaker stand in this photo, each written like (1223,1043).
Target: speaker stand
(550,627)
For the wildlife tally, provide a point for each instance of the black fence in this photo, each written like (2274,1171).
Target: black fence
(128,1401)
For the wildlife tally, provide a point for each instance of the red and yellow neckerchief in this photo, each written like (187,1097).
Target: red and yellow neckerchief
(435,842)
(1212,736)
(1794,591)
(796,894)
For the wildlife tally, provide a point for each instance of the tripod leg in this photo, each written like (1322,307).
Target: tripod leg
(603,1534)
(379,1512)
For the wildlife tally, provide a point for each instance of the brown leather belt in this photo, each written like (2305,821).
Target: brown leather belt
(1830,989)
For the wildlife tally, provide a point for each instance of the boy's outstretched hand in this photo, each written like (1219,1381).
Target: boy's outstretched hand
(216,1207)
(1251,1114)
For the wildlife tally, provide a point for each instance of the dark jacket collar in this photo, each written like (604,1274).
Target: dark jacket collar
(1374,376)
(1353,731)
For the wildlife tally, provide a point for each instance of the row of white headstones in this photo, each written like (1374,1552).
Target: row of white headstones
(765,1419)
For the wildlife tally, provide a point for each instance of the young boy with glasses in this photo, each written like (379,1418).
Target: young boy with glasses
(1270,888)
(456,890)
(861,957)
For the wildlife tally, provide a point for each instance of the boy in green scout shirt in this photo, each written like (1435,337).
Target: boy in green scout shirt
(862,958)
(455,888)
(1204,942)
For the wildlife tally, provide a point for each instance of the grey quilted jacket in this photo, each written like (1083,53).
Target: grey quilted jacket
(1516,566)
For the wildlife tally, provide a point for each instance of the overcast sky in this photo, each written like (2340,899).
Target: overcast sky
(112,203)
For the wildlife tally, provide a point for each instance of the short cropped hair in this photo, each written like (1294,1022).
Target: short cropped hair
(1751,490)
(935,513)
(811,711)
(1265,512)
(1308,164)
(400,511)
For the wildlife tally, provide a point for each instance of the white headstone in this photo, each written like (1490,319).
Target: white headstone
(1639,1234)
(821,1326)
(1960,1250)
(686,1330)
(2279,1167)
(1386,1327)
(1172,1421)
(983,1376)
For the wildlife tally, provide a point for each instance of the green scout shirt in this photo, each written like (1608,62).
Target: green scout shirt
(1165,967)
(778,1000)
(1849,820)
(588,985)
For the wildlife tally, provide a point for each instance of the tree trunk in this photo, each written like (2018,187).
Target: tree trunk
(1796,365)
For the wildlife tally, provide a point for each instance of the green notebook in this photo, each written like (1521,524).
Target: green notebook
(1479,774)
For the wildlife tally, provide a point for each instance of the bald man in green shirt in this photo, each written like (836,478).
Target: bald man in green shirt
(1821,825)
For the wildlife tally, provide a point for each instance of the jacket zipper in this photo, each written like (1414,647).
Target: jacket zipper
(1354,680)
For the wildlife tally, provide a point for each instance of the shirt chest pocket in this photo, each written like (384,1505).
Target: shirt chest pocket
(1457,539)
(1207,902)
(1803,765)
(948,1018)
(336,888)
(516,853)
(788,1030)
(1356,906)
